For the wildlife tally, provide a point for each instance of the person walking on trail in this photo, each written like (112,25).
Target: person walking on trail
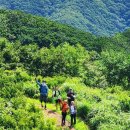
(73,112)
(64,109)
(56,96)
(43,88)
(70,96)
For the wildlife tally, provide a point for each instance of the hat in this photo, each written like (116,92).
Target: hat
(65,100)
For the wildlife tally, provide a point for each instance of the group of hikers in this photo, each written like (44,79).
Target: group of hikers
(65,105)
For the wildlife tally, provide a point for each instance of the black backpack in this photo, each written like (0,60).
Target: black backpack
(56,93)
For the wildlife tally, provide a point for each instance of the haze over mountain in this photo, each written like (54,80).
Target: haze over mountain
(101,17)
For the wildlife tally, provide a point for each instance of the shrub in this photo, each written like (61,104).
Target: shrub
(124,101)
(83,110)
(8,122)
(11,90)
(115,89)
(18,102)
(81,126)
(54,81)
(30,91)
(19,114)
(21,75)
(106,126)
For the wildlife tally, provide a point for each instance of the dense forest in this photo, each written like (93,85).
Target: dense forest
(99,17)
(97,68)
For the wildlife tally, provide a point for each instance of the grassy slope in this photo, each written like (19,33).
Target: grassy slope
(51,107)
(103,109)
(108,106)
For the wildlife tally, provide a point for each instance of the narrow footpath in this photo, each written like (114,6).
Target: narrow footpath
(51,114)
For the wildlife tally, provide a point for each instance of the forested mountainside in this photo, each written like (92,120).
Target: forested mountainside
(28,28)
(101,17)
(34,29)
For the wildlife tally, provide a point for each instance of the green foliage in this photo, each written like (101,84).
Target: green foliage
(15,111)
(83,110)
(93,72)
(117,67)
(81,126)
(124,102)
(100,107)
(45,61)
(31,90)
(54,81)
(99,17)
(33,29)
(104,103)
(7,84)
(108,65)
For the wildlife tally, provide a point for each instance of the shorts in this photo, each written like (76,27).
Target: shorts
(43,98)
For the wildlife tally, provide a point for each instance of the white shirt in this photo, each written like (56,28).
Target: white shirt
(72,109)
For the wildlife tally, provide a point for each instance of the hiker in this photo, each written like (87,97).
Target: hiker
(70,96)
(43,88)
(56,96)
(73,112)
(64,109)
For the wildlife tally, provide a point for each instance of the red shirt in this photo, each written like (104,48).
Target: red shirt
(64,107)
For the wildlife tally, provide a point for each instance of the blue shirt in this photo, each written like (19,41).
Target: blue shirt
(43,88)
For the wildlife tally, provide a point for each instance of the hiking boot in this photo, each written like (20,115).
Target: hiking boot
(62,124)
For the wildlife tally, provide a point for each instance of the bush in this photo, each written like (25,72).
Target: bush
(18,102)
(81,126)
(8,122)
(54,81)
(110,126)
(31,90)
(124,101)
(22,75)
(115,89)
(11,90)
(18,114)
(83,110)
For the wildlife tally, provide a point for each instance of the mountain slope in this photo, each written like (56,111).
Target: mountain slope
(100,17)
(28,29)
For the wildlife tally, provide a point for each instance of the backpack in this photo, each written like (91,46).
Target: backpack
(43,89)
(55,94)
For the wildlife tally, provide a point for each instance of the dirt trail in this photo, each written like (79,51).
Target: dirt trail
(54,115)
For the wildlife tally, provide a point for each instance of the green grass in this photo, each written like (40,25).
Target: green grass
(52,107)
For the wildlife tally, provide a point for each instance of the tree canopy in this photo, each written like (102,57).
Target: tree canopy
(99,17)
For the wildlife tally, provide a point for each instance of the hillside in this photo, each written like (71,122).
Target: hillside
(96,68)
(99,17)
(33,29)
(28,29)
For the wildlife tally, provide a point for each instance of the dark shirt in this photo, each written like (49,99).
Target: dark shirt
(71,96)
